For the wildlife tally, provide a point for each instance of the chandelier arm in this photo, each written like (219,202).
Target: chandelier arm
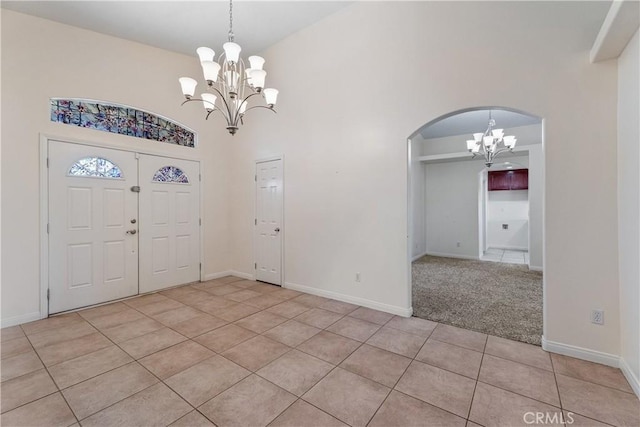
(238,116)
(249,96)
(228,116)
(502,150)
(190,100)
(208,112)
(221,111)
(262,106)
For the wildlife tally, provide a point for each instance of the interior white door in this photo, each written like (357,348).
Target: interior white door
(169,222)
(268,233)
(93,245)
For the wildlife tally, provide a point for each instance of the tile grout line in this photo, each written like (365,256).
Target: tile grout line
(288,351)
(136,361)
(337,365)
(475,386)
(160,381)
(555,379)
(393,388)
(291,349)
(124,398)
(58,390)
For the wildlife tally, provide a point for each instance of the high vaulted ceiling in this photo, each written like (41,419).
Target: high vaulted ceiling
(182,26)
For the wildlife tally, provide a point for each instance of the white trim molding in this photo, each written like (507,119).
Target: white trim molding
(226,273)
(634,382)
(417,257)
(581,353)
(440,254)
(392,309)
(619,26)
(19,320)
(595,356)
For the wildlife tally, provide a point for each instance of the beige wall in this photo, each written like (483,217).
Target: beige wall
(353,88)
(629,208)
(43,59)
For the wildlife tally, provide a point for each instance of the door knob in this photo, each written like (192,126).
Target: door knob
(132,231)
(277,230)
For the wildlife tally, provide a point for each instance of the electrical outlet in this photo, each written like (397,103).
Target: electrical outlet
(358,277)
(597,317)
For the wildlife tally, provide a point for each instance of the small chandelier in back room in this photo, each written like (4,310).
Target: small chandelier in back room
(228,81)
(491,143)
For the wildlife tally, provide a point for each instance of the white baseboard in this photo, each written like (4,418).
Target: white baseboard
(630,376)
(393,309)
(440,254)
(535,268)
(225,273)
(243,275)
(581,353)
(418,256)
(23,318)
(510,248)
(217,275)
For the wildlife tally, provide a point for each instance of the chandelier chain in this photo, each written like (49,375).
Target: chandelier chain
(230,20)
(228,80)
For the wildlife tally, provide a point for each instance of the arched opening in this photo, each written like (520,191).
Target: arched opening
(476,222)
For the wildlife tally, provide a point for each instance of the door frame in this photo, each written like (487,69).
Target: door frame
(543,166)
(483,220)
(255,216)
(44,201)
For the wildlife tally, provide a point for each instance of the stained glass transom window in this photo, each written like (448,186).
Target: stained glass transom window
(170,174)
(95,167)
(121,120)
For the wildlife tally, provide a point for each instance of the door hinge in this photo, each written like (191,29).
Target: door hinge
(200,221)
(47,228)
(199,177)
(255,265)
(255,221)
(200,266)
(47,162)
(255,178)
(48,294)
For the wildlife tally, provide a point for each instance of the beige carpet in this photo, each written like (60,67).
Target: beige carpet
(494,298)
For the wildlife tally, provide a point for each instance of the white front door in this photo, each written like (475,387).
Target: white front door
(169,222)
(268,233)
(93,245)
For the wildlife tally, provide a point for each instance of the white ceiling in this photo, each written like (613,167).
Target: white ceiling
(476,121)
(182,26)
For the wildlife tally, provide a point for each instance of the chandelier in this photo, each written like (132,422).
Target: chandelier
(228,81)
(491,143)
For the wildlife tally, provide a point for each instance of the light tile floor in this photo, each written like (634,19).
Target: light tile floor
(506,256)
(238,352)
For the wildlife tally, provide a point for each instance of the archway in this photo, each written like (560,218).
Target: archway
(446,221)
